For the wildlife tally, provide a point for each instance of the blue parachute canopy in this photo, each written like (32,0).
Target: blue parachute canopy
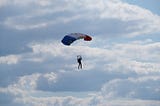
(70,38)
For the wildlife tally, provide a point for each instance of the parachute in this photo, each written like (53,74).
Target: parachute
(70,38)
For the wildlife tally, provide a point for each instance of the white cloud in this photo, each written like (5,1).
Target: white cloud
(18,23)
(142,50)
(10,59)
(145,88)
(48,48)
(27,82)
(51,77)
(3,3)
(123,74)
(23,92)
(131,102)
(18,94)
(129,20)
(138,56)
(58,64)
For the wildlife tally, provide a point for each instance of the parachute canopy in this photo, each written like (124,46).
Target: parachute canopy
(70,38)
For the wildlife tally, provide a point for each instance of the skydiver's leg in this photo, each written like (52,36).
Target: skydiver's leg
(80,65)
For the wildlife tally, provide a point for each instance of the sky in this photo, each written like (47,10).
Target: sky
(121,65)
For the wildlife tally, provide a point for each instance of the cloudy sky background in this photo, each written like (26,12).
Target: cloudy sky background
(121,65)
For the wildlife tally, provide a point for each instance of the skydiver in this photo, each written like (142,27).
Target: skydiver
(79,59)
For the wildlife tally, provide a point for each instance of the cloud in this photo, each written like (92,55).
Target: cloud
(36,69)
(82,81)
(3,3)
(24,93)
(128,102)
(27,21)
(127,19)
(131,59)
(115,61)
(146,88)
(10,59)
(140,57)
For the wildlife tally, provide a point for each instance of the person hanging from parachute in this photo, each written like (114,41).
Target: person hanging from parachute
(70,38)
(79,59)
